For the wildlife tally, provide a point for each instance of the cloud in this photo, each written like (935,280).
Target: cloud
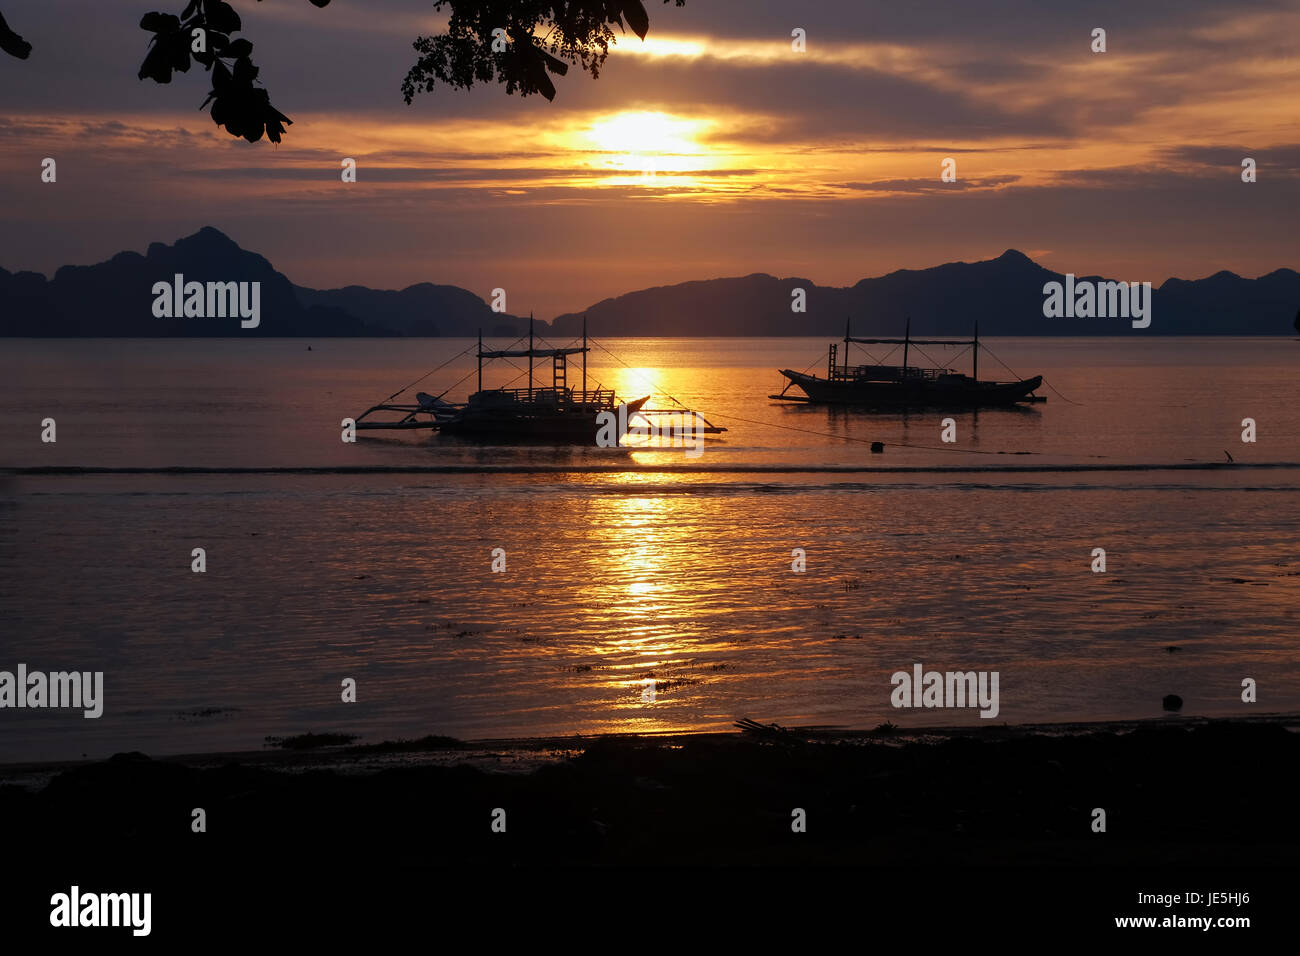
(823,164)
(931,185)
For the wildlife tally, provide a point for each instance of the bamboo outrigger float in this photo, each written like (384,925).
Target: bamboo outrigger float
(905,385)
(551,414)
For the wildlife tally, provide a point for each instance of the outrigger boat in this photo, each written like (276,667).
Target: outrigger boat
(905,385)
(554,414)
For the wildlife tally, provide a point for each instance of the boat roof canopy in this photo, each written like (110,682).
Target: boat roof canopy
(536,353)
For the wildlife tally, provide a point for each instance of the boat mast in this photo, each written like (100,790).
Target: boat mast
(480,360)
(846,345)
(530,356)
(975,369)
(584,359)
(907,336)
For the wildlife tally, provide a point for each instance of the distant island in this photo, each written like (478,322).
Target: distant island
(1004,295)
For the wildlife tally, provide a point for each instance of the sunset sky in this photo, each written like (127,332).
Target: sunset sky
(710,149)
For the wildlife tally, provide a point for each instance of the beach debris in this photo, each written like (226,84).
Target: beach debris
(310,741)
(751,726)
(429,742)
(132,756)
(205,712)
(1172,702)
(877,447)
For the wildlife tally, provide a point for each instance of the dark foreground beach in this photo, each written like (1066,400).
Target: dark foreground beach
(1174,792)
(958,832)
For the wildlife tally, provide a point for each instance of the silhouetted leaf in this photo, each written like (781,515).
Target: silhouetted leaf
(160,23)
(238,48)
(169,50)
(166,53)
(552,64)
(222,16)
(12,43)
(245,72)
(535,68)
(637,18)
(275,120)
(220,77)
(223,109)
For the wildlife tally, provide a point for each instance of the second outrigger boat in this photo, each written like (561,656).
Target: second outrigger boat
(554,414)
(905,385)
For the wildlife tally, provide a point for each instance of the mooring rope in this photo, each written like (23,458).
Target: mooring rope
(427,374)
(1017,375)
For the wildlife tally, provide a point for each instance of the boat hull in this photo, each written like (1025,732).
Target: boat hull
(569,426)
(959,393)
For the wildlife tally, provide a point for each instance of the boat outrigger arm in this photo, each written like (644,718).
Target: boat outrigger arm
(553,413)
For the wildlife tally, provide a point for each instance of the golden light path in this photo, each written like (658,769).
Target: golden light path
(636,605)
(651,595)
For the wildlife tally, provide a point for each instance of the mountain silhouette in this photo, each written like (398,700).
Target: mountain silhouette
(423,309)
(1005,295)
(115,298)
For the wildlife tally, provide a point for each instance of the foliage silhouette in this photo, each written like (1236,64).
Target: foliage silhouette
(12,43)
(486,40)
(579,31)
(203,33)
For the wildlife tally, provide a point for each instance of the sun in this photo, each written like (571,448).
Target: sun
(647,142)
(635,382)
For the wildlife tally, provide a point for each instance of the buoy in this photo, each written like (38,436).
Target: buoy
(877,447)
(1173,702)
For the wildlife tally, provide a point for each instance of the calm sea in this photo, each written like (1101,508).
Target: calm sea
(617,574)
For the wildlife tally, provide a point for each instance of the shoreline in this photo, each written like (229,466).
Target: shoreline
(526,754)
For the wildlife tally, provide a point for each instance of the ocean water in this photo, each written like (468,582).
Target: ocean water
(638,565)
